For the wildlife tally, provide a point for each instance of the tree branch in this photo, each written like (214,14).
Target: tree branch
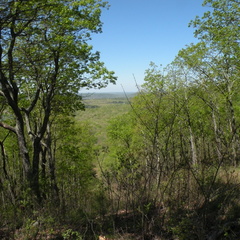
(36,97)
(6,126)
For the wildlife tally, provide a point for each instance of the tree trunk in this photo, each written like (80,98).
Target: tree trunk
(234,135)
(51,158)
(23,151)
(217,137)
(35,168)
(193,146)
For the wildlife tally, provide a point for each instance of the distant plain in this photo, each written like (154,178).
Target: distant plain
(100,108)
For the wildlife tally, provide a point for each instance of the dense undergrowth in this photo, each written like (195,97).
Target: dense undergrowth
(190,202)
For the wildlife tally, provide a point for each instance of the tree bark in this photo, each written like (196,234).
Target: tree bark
(35,168)
(234,135)
(23,150)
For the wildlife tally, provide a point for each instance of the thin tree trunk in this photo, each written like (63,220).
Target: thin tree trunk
(193,146)
(35,168)
(233,130)
(51,159)
(192,139)
(217,138)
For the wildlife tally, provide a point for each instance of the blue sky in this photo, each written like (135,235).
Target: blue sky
(136,32)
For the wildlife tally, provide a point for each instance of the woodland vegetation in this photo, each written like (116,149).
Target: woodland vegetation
(161,165)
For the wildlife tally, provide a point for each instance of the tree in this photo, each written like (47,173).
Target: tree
(214,63)
(44,55)
(73,150)
(175,147)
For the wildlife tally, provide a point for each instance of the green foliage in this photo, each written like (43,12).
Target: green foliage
(99,111)
(75,157)
(121,129)
(165,164)
(30,229)
(69,234)
(184,229)
(42,81)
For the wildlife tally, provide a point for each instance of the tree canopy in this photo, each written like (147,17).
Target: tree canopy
(45,61)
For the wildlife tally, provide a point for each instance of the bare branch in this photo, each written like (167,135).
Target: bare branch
(31,107)
(6,126)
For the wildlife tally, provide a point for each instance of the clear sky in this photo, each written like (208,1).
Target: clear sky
(136,32)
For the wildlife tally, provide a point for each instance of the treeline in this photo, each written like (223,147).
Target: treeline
(170,167)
